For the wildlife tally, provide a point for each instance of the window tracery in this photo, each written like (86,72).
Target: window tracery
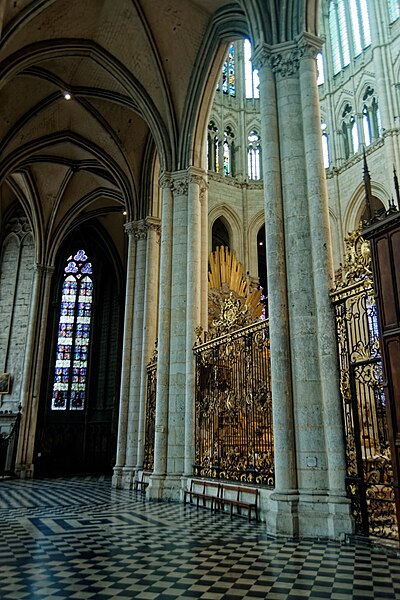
(70,374)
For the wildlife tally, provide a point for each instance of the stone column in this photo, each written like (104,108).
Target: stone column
(196,191)
(33,365)
(149,321)
(156,484)
(178,341)
(322,268)
(136,357)
(310,447)
(300,315)
(283,513)
(204,261)
(117,480)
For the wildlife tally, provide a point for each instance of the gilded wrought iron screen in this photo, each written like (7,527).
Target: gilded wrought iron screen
(369,467)
(150,414)
(233,412)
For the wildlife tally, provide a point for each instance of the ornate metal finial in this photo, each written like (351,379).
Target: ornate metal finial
(367,187)
(357,264)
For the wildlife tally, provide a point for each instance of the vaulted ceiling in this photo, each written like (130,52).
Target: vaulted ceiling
(140,74)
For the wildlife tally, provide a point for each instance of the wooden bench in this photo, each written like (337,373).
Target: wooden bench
(203,490)
(241,497)
(142,480)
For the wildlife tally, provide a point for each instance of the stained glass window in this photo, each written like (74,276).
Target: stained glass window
(228,73)
(70,374)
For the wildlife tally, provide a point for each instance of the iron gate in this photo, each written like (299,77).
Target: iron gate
(369,477)
(150,413)
(233,407)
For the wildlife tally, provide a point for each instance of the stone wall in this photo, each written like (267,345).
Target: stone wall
(16,278)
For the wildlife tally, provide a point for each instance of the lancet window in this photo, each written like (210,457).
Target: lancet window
(74,329)
(325,144)
(212,147)
(320,69)
(252,81)
(229,152)
(350,133)
(228,83)
(349,31)
(254,155)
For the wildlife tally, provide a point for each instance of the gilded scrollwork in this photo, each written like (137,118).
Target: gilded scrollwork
(369,478)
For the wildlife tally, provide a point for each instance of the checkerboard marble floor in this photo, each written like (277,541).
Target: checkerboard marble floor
(79,538)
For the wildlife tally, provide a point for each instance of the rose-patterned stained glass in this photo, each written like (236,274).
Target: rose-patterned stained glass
(70,375)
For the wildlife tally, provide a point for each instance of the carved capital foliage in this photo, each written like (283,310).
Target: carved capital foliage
(137,229)
(154,225)
(262,57)
(165,180)
(286,63)
(180,184)
(141,230)
(130,228)
(309,45)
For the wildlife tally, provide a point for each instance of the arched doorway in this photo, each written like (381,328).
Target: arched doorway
(78,409)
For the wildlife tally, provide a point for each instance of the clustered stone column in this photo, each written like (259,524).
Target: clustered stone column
(156,485)
(126,358)
(139,337)
(281,378)
(309,496)
(179,314)
(33,365)
(149,322)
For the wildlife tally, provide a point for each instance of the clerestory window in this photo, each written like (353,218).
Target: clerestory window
(252,81)
(350,31)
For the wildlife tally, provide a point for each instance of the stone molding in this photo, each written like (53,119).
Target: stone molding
(249,184)
(46,270)
(19,225)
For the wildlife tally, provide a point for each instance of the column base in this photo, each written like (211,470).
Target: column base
(155,489)
(282,516)
(24,471)
(325,516)
(124,478)
(165,487)
(301,514)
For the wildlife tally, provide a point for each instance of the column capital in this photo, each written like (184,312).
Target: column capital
(309,45)
(153,224)
(46,270)
(130,228)
(165,180)
(284,59)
